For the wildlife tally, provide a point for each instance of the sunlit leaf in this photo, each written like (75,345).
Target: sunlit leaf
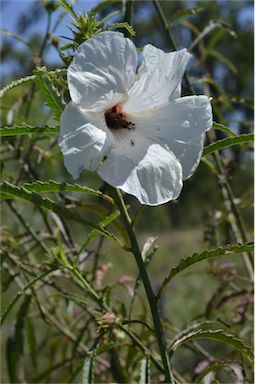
(27,79)
(27,130)
(67,7)
(55,186)
(228,142)
(52,96)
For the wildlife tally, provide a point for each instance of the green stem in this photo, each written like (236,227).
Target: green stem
(169,378)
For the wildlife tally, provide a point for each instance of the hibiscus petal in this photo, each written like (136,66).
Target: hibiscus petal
(159,79)
(181,125)
(102,70)
(146,170)
(84,139)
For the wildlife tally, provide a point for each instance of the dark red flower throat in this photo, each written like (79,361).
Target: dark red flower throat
(116,119)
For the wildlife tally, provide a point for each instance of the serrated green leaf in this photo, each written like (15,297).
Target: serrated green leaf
(145,377)
(235,367)
(183,13)
(228,142)
(55,186)
(208,254)
(222,128)
(27,130)
(123,25)
(36,199)
(52,96)
(26,79)
(217,335)
(67,7)
(87,373)
(15,83)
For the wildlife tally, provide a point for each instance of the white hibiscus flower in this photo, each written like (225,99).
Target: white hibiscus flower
(132,128)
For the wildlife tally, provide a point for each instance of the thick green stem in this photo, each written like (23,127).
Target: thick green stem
(169,378)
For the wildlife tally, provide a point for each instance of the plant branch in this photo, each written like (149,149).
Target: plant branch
(169,378)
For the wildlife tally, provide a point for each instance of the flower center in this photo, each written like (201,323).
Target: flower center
(116,119)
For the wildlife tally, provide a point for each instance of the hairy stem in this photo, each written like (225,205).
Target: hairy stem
(169,378)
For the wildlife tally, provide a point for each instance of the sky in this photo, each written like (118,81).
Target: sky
(11,10)
(10,13)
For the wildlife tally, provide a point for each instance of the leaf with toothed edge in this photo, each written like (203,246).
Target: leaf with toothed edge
(217,335)
(27,130)
(208,254)
(51,94)
(55,186)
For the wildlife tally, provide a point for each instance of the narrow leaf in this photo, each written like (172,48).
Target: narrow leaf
(228,142)
(222,128)
(218,56)
(183,13)
(36,199)
(208,254)
(55,186)
(108,220)
(217,335)
(27,130)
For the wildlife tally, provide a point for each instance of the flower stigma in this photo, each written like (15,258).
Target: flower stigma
(116,119)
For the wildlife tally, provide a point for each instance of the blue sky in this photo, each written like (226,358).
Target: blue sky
(11,10)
